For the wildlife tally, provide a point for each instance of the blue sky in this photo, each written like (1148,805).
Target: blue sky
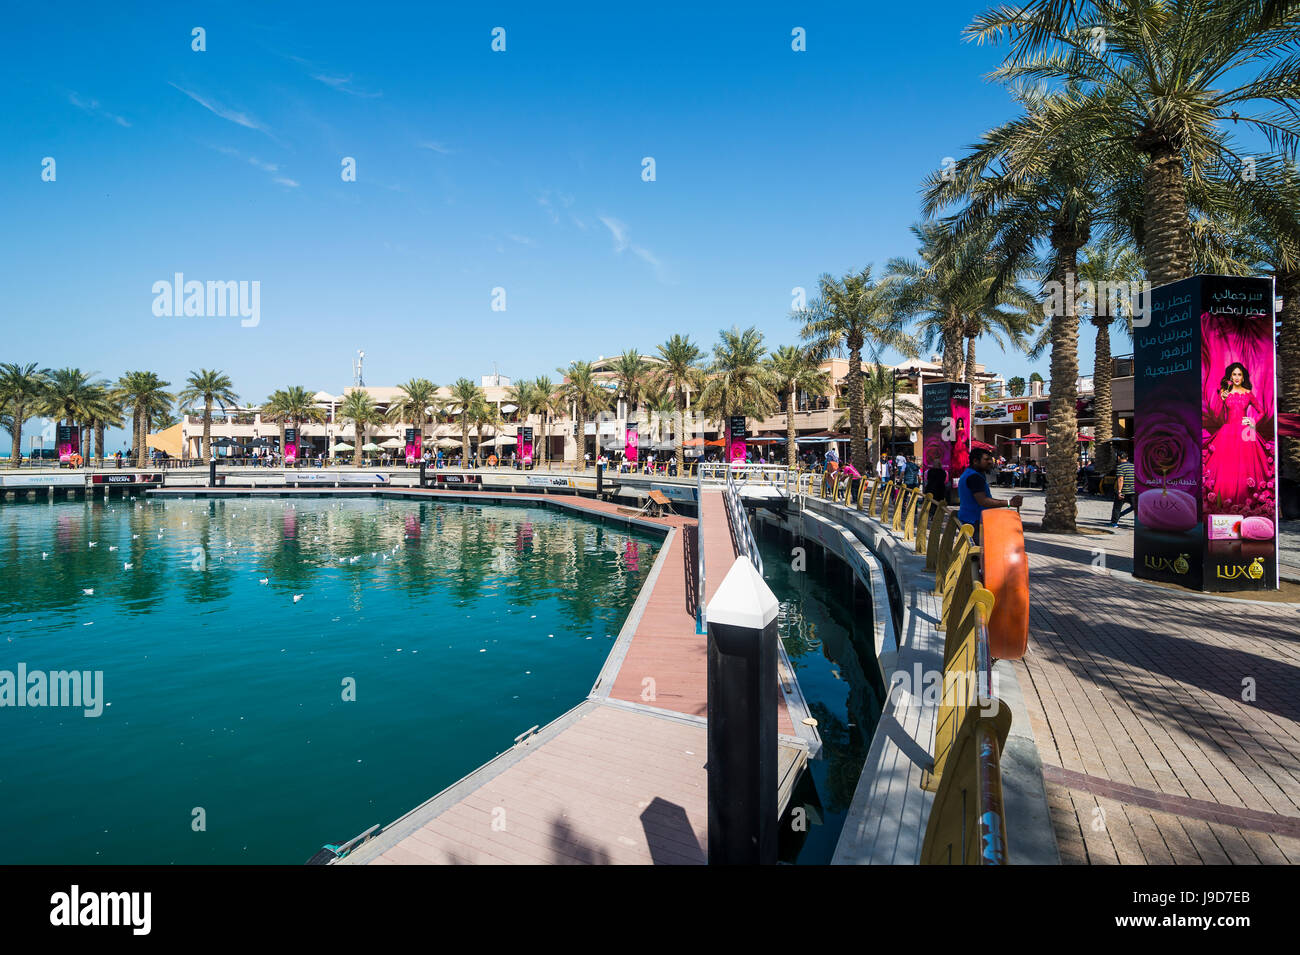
(475,170)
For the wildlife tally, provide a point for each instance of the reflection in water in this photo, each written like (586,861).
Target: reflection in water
(461,624)
(831,644)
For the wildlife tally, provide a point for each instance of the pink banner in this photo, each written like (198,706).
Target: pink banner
(630,448)
(69,443)
(524,446)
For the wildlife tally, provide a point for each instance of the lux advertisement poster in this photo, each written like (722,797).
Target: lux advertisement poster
(630,447)
(945,426)
(737,434)
(290,445)
(413,449)
(1205,436)
(68,442)
(525,448)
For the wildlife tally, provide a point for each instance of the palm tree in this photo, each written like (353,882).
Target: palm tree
(662,406)
(850,314)
(209,387)
(103,410)
(740,381)
(274,410)
(793,371)
(69,394)
(414,403)
(632,372)
(583,389)
(680,371)
(1163,85)
(1057,198)
(359,408)
(143,392)
(466,395)
(21,388)
(878,401)
(547,403)
(297,405)
(523,395)
(485,414)
(1106,260)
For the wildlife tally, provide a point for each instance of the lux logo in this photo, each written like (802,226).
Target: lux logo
(1254,570)
(1178,565)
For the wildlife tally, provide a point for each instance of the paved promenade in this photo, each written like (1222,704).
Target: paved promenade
(1135,693)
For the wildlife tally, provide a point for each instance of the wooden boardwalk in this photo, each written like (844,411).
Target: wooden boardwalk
(620,778)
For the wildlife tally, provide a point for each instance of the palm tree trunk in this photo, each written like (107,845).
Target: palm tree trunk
(16,453)
(207,431)
(1167,227)
(582,437)
(789,429)
(857,416)
(99,444)
(969,375)
(141,437)
(1102,405)
(464,440)
(356,445)
(681,432)
(1061,509)
(952,342)
(1288,360)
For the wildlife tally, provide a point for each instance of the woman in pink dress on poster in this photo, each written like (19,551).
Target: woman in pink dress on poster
(1236,464)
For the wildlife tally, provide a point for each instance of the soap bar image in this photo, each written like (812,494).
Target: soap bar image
(1257,528)
(1166,509)
(1223,527)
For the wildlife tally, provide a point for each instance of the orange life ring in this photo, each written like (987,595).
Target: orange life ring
(1005,569)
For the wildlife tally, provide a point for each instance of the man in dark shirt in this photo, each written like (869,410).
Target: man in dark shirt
(973,490)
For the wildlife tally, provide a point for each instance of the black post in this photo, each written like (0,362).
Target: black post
(742,737)
(212,473)
(600,478)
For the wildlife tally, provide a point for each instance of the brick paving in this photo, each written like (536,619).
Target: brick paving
(1135,693)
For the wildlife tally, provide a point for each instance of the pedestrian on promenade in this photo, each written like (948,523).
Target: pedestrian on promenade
(973,490)
(936,482)
(1124,491)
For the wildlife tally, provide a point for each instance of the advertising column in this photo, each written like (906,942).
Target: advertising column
(630,448)
(525,446)
(413,449)
(290,445)
(68,442)
(945,426)
(737,435)
(1205,436)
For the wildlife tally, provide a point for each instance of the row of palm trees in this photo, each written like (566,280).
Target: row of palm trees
(1123,164)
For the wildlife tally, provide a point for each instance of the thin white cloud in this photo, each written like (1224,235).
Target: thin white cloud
(286,182)
(264,166)
(344,85)
(619,231)
(439,148)
(242,119)
(92,106)
(270,167)
(521,239)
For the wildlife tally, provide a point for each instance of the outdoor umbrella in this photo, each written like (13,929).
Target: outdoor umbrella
(1033,439)
(392,443)
(501,439)
(448,443)
(981,444)
(343,446)
(370,447)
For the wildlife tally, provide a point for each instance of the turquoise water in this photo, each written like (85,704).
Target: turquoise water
(831,645)
(462,625)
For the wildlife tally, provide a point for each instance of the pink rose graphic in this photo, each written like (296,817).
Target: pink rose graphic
(1166,450)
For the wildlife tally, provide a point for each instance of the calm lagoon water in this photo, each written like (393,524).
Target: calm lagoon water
(832,647)
(462,626)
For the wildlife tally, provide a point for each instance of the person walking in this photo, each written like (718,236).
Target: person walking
(1124,490)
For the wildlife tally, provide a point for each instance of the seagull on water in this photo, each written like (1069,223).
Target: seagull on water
(127,566)
(265,580)
(297,597)
(89,591)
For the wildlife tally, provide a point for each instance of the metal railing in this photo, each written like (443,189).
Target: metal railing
(742,532)
(701,622)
